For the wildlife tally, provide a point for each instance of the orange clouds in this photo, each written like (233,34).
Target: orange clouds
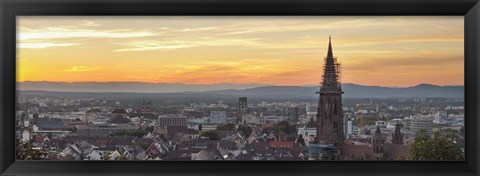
(386,51)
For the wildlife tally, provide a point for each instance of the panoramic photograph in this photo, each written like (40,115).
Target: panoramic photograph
(247,88)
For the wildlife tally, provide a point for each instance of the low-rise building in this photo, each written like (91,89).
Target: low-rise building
(102,130)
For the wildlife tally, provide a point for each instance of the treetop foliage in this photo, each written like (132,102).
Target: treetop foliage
(438,147)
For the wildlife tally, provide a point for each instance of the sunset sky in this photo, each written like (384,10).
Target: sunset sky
(383,51)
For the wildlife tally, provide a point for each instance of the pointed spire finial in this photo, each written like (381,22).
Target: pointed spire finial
(330,52)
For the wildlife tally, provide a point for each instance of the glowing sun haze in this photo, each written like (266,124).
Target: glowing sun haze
(384,51)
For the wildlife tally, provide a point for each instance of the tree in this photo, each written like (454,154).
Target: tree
(246,130)
(73,130)
(144,145)
(284,127)
(149,129)
(228,126)
(301,140)
(311,123)
(122,157)
(106,155)
(163,137)
(267,130)
(137,133)
(211,134)
(437,147)
(25,151)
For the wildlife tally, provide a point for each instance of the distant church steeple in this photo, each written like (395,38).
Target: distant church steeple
(26,119)
(378,142)
(397,137)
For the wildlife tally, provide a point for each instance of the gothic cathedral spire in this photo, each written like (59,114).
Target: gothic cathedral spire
(330,112)
(330,52)
(331,74)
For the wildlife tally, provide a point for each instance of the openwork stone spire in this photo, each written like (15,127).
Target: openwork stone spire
(330,112)
(331,75)
(330,52)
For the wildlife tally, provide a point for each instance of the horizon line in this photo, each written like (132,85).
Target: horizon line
(262,84)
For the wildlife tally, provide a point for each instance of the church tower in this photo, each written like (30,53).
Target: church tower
(242,109)
(378,144)
(397,137)
(26,119)
(330,112)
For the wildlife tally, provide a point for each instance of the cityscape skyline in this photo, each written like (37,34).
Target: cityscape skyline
(267,123)
(215,50)
(51,128)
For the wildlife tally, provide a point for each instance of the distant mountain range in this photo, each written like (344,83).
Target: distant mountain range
(353,91)
(249,90)
(137,87)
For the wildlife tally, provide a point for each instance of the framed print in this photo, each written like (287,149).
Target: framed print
(239,87)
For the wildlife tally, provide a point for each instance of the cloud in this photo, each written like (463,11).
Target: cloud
(26,34)
(69,35)
(91,23)
(284,49)
(239,71)
(404,64)
(286,44)
(199,29)
(148,45)
(43,45)
(167,37)
(267,26)
(81,69)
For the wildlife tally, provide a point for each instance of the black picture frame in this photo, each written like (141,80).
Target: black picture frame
(9,9)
